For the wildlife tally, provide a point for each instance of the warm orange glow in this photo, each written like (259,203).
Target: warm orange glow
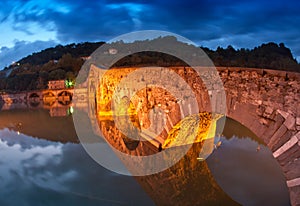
(194,128)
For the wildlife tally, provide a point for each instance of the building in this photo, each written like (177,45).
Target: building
(56,84)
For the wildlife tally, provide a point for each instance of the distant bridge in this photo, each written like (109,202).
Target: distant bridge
(38,98)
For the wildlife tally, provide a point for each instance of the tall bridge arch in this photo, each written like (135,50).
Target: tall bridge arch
(268,103)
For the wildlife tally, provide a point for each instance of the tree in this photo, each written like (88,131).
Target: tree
(57,74)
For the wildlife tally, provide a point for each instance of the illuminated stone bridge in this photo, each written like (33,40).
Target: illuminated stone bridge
(265,101)
(47,97)
(268,103)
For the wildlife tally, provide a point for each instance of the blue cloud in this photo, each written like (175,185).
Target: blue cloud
(239,23)
(20,50)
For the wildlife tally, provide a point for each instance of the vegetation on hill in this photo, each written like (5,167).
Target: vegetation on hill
(56,53)
(34,71)
(64,62)
(269,56)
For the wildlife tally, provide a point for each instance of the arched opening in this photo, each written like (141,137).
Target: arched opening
(130,143)
(65,97)
(33,95)
(244,167)
(49,98)
(34,99)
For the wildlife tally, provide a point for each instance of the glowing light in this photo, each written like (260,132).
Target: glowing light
(69,83)
(71,110)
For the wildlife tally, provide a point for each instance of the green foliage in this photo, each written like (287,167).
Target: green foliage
(56,53)
(64,62)
(32,77)
(267,56)
(57,74)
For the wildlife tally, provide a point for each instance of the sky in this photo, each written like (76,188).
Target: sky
(28,26)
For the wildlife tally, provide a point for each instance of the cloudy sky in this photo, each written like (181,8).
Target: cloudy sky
(29,25)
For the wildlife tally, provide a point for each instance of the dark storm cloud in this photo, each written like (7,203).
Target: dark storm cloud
(240,23)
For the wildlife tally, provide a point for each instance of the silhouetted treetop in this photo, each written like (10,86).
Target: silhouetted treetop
(64,62)
(55,53)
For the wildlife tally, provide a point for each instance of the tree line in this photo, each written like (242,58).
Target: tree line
(64,62)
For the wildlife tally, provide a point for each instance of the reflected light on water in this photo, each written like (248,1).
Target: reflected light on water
(37,171)
(22,159)
(55,169)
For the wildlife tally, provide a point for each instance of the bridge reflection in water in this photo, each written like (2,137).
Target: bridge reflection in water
(58,102)
(235,173)
(251,173)
(189,181)
(242,171)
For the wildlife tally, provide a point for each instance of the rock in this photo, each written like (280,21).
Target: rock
(269,110)
(293,83)
(260,111)
(298,135)
(259,102)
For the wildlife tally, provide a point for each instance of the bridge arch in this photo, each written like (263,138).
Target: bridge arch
(33,95)
(49,98)
(268,103)
(34,99)
(64,97)
(130,144)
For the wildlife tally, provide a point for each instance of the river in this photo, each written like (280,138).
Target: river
(43,163)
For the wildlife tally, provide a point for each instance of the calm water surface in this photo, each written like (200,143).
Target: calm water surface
(43,164)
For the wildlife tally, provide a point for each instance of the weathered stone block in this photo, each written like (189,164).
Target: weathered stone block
(295,195)
(260,111)
(289,144)
(290,122)
(291,171)
(277,135)
(298,135)
(283,139)
(283,113)
(268,110)
(298,120)
(263,121)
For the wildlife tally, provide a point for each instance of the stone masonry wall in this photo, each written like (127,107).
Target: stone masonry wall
(265,101)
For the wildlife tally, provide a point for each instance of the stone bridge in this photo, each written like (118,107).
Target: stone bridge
(265,101)
(268,103)
(34,98)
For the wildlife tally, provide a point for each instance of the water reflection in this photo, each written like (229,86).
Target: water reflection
(42,164)
(39,123)
(41,172)
(245,169)
(248,175)
(236,172)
